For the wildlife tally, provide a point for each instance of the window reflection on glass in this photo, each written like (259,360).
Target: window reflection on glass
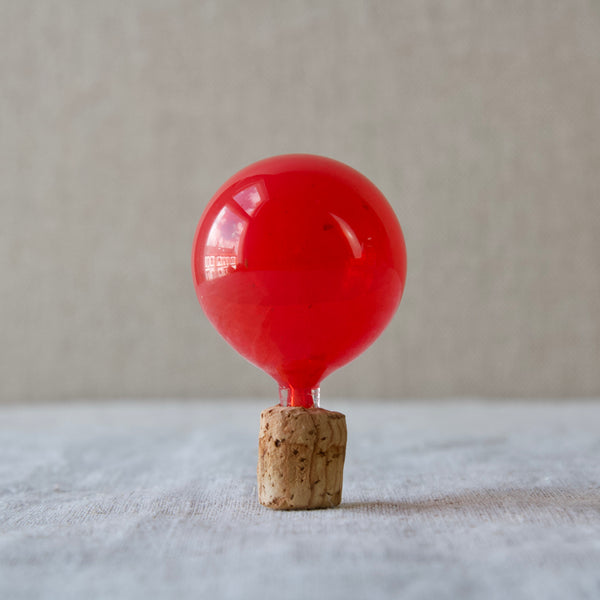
(223,243)
(225,238)
(249,199)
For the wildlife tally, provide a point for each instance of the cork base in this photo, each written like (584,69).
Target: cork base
(301,455)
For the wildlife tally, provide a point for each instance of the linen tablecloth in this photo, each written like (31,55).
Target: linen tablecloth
(157,499)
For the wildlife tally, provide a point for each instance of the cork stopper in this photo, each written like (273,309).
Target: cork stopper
(301,455)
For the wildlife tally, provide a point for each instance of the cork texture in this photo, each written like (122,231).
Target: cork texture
(301,454)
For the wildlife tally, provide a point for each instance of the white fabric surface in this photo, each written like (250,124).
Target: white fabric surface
(441,500)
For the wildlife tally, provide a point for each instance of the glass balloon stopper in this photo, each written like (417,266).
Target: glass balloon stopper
(299,262)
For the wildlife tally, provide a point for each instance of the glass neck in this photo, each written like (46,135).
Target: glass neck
(307,398)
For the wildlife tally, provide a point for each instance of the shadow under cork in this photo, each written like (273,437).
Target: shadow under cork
(562,501)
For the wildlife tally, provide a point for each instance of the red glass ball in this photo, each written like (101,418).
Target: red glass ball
(299,262)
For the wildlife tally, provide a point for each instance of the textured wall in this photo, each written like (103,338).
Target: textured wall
(479,120)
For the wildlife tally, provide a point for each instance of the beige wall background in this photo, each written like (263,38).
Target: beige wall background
(480,121)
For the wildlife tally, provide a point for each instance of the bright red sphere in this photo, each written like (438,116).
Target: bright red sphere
(300,263)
